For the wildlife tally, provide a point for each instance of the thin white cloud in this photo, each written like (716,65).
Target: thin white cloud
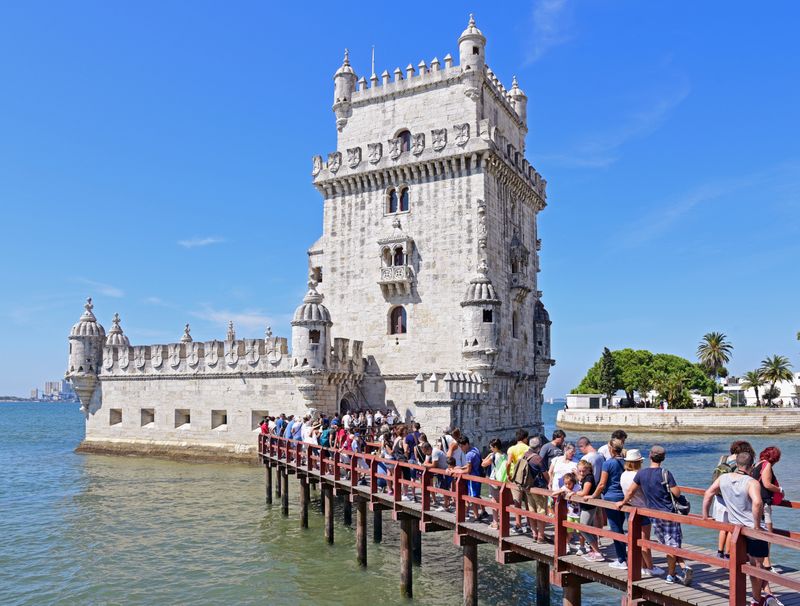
(251,319)
(602,149)
(551,27)
(104,289)
(198,242)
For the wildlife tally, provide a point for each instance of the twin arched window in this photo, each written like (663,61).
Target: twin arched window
(398,200)
(405,140)
(397,321)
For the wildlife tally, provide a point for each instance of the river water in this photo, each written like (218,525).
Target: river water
(95,529)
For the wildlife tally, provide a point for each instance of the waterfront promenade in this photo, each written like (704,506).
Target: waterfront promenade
(717,582)
(733,421)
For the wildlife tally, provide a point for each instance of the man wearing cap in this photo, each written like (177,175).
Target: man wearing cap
(655,482)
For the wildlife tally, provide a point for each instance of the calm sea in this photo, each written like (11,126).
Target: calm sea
(90,529)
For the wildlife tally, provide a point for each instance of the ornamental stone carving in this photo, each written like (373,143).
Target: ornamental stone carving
(316,165)
(417,143)
(394,148)
(124,357)
(439,138)
(353,157)
(483,232)
(193,355)
(108,357)
(212,354)
(374,152)
(334,162)
(232,353)
(174,355)
(251,352)
(139,356)
(462,133)
(274,353)
(156,356)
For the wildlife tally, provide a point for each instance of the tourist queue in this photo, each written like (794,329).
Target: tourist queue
(743,490)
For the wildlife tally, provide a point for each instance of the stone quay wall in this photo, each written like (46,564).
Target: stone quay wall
(707,421)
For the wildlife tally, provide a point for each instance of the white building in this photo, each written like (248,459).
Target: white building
(427,266)
(789,392)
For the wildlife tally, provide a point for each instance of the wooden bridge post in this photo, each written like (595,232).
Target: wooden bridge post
(327,497)
(348,511)
(416,538)
(304,499)
(377,525)
(278,477)
(542,584)
(738,580)
(470,549)
(361,531)
(285,493)
(268,467)
(406,547)
(572,591)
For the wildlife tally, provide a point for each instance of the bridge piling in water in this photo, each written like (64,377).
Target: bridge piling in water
(348,511)
(285,492)
(377,525)
(327,497)
(406,556)
(304,499)
(269,483)
(361,531)
(416,538)
(470,557)
(542,584)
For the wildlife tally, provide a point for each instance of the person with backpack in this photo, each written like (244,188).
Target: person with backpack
(496,462)
(529,474)
(771,491)
(727,464)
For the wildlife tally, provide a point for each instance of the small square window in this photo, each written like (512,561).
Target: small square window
(148,417)
(256,416)
(115,416)
(488,316)
(476,50)
(183,418)
(219,420)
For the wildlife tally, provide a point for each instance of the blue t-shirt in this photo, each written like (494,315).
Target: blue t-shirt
(279,426)
(473,457)
(655,493)
(287,432)
(613,490)
(297,430)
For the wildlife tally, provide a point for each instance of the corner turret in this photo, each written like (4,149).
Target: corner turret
(86,341)
(520,102)
(310,332)
(472,48)
(344,85)
(480,321)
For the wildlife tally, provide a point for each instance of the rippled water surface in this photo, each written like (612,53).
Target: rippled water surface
(91,529)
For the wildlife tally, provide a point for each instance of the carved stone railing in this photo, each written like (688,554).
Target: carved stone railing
(396,280)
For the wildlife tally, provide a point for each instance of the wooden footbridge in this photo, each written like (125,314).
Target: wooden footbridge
(361,479)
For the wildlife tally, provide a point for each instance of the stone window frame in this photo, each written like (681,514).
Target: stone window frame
(404,134)
(398,191)
(393,332)
(515,324)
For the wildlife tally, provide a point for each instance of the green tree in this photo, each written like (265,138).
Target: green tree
(713,352)
(753,380)
(608,381)
(775,369)
(634,371)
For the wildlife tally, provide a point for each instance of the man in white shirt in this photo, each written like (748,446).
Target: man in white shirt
(603,450)
(378,417)
(347,420)
(370,419)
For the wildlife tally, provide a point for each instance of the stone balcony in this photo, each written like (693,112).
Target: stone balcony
(396,280)
(520,286)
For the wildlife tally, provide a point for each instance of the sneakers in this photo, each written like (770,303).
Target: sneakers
(771,600)
(594,556)
(688,575)
(671,579)
(646,573)
(439,508)
(517,530)
(657,571)
(618,565)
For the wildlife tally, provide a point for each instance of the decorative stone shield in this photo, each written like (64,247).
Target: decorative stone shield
(316,165)
(394,148)
(212,354)
(174,355)
(374,152)
(139,356)
(334,162)
(462,133)
(156,355)
(353,157)
(108,357)
(124,357)
(439,138)
(274,354)
(251,353)
(232,352)
(417,143)
(193,355)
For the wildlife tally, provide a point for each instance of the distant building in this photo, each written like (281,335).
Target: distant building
(35,394)
(789,392)
(428,266)
(586,400)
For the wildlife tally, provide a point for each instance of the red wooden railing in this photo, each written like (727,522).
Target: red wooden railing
(365,467)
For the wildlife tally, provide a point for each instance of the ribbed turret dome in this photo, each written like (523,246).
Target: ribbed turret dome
(345,68)
(471,31)
(88,326)
(480,290)
(312,310)
(116,336)
(516,91)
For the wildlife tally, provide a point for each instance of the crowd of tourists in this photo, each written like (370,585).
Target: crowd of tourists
(743,490)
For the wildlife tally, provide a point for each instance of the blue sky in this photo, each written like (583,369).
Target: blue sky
(157,156)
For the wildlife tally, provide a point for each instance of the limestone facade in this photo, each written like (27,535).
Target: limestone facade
(427,266)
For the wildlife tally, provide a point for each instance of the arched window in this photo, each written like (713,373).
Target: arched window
(397,321)
(405,140)
(386,255)
(515,325)
(399,257)
(393,204)
(313,336)
(404,200)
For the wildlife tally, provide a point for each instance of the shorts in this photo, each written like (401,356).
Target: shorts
(587,519)
(474,488)
(536,503)
(767,514)
(575,519)
(756,548)
(668,533)
(721,512)
(444,482)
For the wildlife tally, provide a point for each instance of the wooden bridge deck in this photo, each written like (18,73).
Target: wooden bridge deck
(712,585)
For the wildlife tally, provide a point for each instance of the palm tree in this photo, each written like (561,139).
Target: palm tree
(775,369)
(714,352)
(753,380)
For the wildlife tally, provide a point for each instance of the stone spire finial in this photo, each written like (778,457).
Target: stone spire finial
(88,315)
(483,268)
(471,20)
(346,57)
(231,332)
(115,322)
(268,333)
(186,338)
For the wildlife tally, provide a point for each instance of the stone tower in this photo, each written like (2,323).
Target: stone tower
(86,341)
(428,195)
